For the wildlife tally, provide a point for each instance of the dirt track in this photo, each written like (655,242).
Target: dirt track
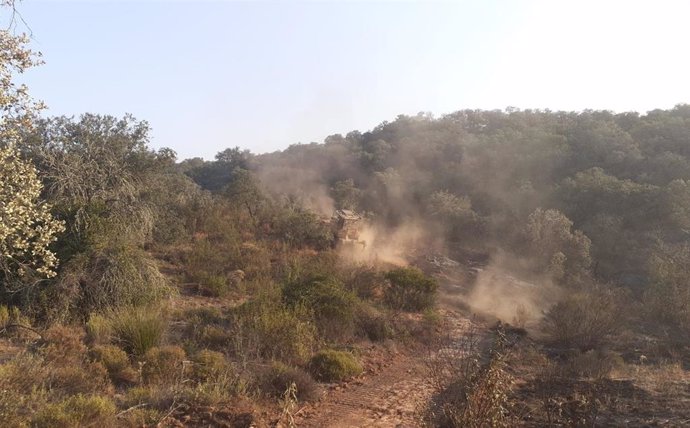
(393,397)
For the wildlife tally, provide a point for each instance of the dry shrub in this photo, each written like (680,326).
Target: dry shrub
(365,281)
(22,383)
(594,364)
(214,337)
(140,417)
(163,365)
(279,378)
(333,366)
(87,378)
(137,330)
(116,361)
(76,411)
(472,389)
(112,277)
(63,345)
(373,324)
(209,365)
(584,320)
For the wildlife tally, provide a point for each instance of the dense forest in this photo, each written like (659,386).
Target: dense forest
(141,289)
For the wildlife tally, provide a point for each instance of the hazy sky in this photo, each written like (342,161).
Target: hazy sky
(211,75)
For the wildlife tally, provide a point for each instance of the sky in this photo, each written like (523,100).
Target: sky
(265,75)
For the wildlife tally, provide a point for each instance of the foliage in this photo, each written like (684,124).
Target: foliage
(584,320)
(110,278)
(137,330)
(76,411)
(333,366)
(667,301)
(279,378)
(209,365)
(27,228)
(410,289)
(164,364)
(557,250)
(333,307)
(116,361)
(265,328)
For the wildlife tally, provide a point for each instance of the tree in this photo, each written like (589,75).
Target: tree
(27,227)
(555,247)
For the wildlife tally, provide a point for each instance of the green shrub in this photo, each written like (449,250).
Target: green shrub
(264,328)
(333,366)
(116,361)
(163,365)
(333,307)
(410,289)
(137,329)
(76,411)
(279,378)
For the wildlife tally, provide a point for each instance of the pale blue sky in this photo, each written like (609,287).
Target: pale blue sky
(210,75)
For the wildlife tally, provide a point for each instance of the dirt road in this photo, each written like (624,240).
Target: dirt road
(394,397)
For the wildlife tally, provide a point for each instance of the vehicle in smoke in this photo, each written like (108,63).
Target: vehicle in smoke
(347,227)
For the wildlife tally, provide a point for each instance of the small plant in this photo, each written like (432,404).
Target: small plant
(98,329)
(79,410)
(137,329)
(279,378)
(410,289)
(209,365)
(116,361)
(373,324)
(333,366)
(164,364)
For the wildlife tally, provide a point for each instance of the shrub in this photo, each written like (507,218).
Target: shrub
(374,325)
(137,329)
(98,329)
(116,361)
(366,282)
(333,366)
(209,365)
(63,345)
(410,289)
(472,388)
(264,328)
(213,285)
(595,364)
(583,320)
(333,307)
(164,364)
(279,378)
(86,378)
(76,411)
(109,278)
